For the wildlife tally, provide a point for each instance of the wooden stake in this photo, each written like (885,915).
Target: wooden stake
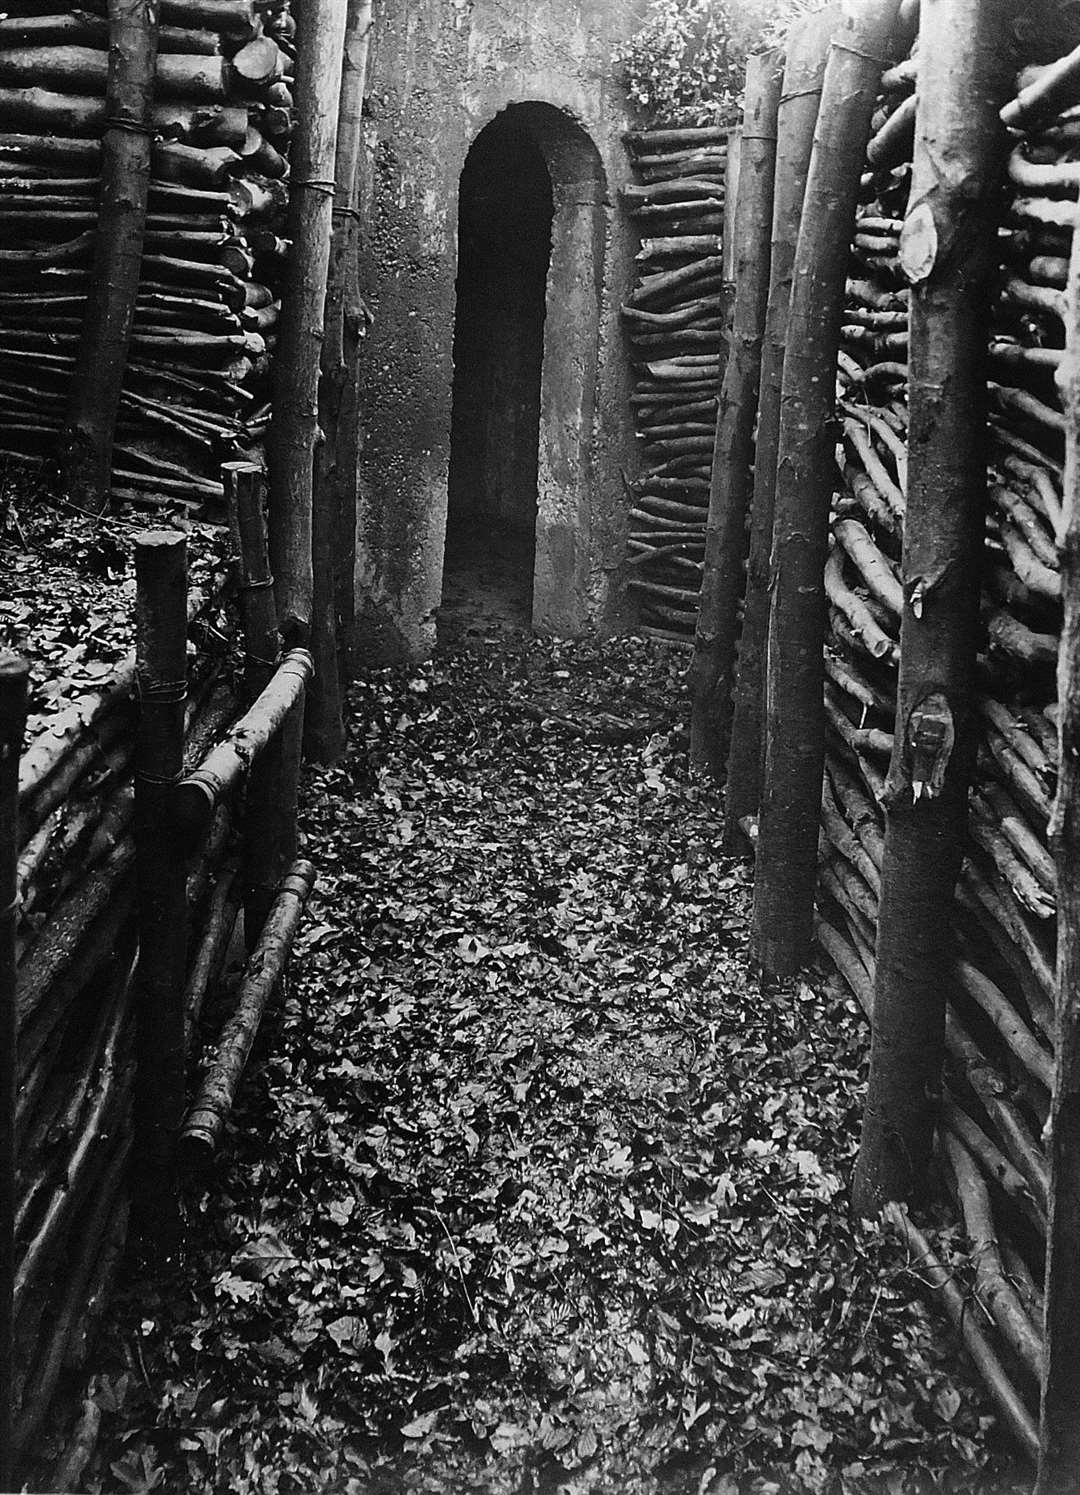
(1059,1436)
(948,253)
(807,51)
(161,648)
(294,431)
(732,470)
(334,518)
(14,674)
(263,858)
(121,221)
(794,720)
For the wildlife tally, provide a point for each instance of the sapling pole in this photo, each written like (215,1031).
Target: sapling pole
(1059,1434)
(294,431)
(794,711)
(354,329)
(334,516)
(161,650)
(206,1118)
(732,471)
(263,841)
(14,675)
(804,69)
(948,253)
(94,399)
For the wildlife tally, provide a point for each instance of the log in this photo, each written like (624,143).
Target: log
(1008,1401)
(264,834)
(1059,1443)
(198,794)
(963,78)
(219,924)
(14,677)
(716,632)
(292,436)
(94,400)
(41,1385)
(992,1287)
(348,318)
(206,1119)
(1044,93)
(161,646)
(992,1160)
(807,49)
(794,722)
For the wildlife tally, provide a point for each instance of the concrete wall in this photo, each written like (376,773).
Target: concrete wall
(441,71)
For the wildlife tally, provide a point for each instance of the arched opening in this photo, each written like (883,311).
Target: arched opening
(505,212)
(531,232)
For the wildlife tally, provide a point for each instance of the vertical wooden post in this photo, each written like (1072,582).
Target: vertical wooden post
(161,665)
(94,397)
(263,860)
(731,484)
(807,51)
(294,430)
(243,483)
(332,526)
(14,673)
(1059,1436)
(794,708)
(948,251)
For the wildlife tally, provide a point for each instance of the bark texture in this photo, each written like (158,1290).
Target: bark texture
(947,251)
(807,51)
(94,399)
(294,432)
(1059,1437)
(161,647)
(334,519)
(794,711)
(14,673)
(731,483)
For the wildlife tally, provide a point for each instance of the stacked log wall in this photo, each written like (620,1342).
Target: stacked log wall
(676,326)
(196,386)
(1001,988)
(77,947)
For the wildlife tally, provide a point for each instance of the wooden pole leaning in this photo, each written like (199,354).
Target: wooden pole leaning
(800,96)
(948,253)
(161,651)
(731,483)
(294,431)
(125,185)
(14,675)
(1059,1434)
(206,1119)
(794,710)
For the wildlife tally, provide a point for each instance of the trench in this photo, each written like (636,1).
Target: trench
(504,232)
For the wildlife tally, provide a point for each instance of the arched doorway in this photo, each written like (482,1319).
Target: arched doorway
(530,245)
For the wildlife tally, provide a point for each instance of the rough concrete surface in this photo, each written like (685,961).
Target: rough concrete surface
(442,71)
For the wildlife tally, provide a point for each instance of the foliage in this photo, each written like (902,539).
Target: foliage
(67,586)
(686,64)
(534,1192)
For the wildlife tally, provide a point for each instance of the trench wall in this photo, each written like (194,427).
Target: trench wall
(440,71)
(1000,979)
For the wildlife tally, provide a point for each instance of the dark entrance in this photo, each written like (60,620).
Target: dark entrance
(504,251)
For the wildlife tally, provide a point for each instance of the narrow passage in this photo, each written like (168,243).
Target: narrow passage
(533,1190)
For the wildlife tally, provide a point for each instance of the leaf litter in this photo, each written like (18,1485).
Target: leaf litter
(531,1189)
